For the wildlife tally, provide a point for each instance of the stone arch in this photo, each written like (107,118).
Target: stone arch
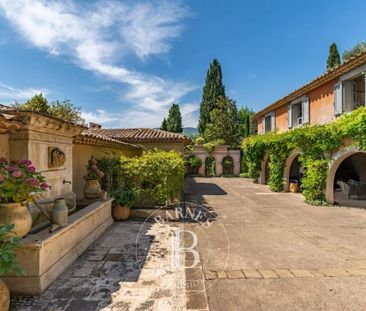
(264,174)
(210,166)
(350,154)
(287,170)
(227,170)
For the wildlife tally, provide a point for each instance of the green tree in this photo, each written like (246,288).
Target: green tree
(225,124)
(164,125)
(67,111)
(37,103)
(333,58)
(357,49)
(174,121)
(245,117)
(64,110)
(212,89)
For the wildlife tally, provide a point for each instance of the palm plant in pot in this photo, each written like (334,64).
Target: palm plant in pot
(19,182)
(124,199)
(8,262)
(92,189)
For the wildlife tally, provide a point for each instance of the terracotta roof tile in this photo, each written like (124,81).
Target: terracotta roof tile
(141,135)
(334,73)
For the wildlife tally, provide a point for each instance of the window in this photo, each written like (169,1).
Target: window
(268,123)
(349,92)
(298,112)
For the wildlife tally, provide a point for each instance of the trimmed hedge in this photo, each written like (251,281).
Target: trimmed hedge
(156,175)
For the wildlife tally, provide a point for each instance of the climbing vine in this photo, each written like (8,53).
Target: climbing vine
(315,143)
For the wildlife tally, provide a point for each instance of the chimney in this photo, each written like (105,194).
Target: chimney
(94,125)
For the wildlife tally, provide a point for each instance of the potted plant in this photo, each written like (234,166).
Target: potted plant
(92,187)
(19,182)
(8,262)
(124,199)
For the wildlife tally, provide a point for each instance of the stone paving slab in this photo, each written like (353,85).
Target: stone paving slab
(128,268)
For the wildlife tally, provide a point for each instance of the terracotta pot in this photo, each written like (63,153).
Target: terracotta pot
(4,296)
(121,212)
(92,189)
(17,214)
(294,187)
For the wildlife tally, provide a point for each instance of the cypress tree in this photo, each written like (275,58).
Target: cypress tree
(333,59)
(174,121)
(164,126)
(212,89)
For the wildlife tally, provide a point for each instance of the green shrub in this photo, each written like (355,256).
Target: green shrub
(157,175)
(199,141)
(126,197)
(211,146)
(112,180)
(315,143)
(8,243)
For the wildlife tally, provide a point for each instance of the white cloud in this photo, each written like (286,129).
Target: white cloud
(9,94)
(96,35)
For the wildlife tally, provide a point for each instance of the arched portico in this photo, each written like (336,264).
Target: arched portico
(264,174)
(347,165)
(292,169)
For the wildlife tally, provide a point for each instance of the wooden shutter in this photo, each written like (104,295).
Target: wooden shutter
(272,122)
(289,116)
(338,98)
(306,110)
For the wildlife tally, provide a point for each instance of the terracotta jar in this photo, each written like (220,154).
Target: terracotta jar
(92,189)
(17,214)
(4,296)
(121,212)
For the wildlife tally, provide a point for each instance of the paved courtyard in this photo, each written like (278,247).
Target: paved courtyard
(128,268)
(270,251)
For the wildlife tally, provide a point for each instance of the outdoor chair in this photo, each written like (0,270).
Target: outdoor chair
(346,188)
(358,186)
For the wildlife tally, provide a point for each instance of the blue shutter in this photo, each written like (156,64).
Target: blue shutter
(306,110)
(263,124)
(338,98)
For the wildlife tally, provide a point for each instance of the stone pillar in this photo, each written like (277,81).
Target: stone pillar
(4,146)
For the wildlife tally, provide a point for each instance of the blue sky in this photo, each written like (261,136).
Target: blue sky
(125,62)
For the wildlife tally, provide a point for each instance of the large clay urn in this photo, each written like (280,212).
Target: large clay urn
(4,296)
(17,214)
(121,212)
(92,189)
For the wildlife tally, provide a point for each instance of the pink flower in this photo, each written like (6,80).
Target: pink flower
(1,178)
(31,168)
(94,167)
(17,174)
(32,182)
(26,162)
(44,186)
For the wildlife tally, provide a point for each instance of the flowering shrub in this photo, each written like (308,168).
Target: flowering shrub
(19,181)
(92,170)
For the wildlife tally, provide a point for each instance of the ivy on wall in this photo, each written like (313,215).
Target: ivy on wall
(315,144)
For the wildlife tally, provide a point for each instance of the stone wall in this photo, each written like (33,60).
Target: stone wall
(4,146)
(219,154)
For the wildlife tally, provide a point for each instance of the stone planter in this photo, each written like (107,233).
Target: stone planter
(17,214)
(121,212)
(92,189)
(4,296)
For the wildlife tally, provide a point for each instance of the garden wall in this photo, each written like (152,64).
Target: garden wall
(4,146)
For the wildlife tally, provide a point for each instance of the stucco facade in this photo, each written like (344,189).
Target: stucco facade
(321,101)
